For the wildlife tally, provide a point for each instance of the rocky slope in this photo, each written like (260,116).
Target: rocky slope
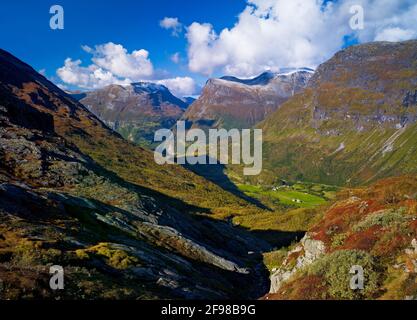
(372,227)
(74,193)
(135,111)
(230,102)
(355,123)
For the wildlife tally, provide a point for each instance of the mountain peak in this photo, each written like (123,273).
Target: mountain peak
(230,102)
(266,77)
(149,87)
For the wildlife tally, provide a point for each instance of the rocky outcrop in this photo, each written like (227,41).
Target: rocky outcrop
(412,256)
(308,251)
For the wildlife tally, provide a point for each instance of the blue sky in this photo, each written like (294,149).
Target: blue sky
(134,24)
(237,37)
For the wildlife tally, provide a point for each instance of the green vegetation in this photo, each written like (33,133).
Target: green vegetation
(295,220)
(274,259)
(373,227)
(385,218)
(286,196)
(335,269)
(115,257)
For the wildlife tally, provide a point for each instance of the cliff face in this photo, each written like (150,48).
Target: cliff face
(230,102)
(356,121)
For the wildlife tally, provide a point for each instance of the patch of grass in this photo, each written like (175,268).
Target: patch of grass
(292,221)
(287,196)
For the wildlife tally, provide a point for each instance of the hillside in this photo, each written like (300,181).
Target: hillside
(355,122)
(74,193)
(373,227)
(230,102)
(135,111)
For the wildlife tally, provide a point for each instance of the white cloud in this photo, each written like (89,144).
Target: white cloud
(172,24)
(395,34)
(270,34)
(87,49)
(116,59)
(112,64)
(180,86)
(176,57)
(91,77)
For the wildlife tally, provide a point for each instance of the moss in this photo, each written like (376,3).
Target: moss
(82,254)
(31,253)
(116,258)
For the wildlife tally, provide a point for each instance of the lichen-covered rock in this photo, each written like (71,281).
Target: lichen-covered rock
(308,251)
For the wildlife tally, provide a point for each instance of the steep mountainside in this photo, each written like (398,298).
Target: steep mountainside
(355,123)
(135,111)
(74,193)
(374,228)
(230,102)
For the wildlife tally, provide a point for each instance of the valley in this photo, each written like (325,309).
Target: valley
(338,187)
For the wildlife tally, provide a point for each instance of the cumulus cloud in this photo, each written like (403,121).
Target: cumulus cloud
(116,59)
(172,24)
(180,86)
(395,34)
(270,34)
(92,77)
(111,64)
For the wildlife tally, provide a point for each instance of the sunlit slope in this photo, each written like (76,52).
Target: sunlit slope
(354,124)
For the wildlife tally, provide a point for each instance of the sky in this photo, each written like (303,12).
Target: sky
(181,43)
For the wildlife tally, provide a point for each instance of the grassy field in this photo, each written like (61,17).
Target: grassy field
(296,196)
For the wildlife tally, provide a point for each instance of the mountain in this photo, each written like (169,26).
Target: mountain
(76,194)
(230,102)
(189,100)
(354,123)
(370,229)
(135,111)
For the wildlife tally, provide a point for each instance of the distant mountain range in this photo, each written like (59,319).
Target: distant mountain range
(135,111)
(230,102)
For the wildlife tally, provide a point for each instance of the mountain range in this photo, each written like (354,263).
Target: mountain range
(230,102)
(355,122)
(338,186)
(75,193)
(135,111)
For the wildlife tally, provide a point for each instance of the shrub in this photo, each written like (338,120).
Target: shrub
(116,258)
(384,219)
(335,268)
(338,240)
